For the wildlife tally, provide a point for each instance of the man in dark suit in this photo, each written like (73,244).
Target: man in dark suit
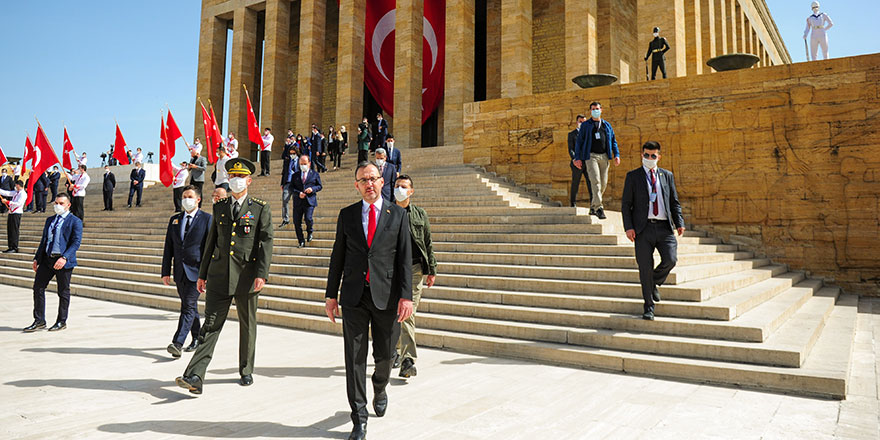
(55,257)
(304,186)
(7,183)
(577,173)
(184,246)
(388,172)
(109,186)
(137,183)
(41,191)
(651,214)
(381,132)
(373,248)
(54,176)
(393,154)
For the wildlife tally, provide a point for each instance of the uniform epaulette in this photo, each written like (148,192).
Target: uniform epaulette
(258,201)
(223,199)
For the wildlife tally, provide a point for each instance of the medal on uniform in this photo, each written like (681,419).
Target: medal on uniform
(247,229)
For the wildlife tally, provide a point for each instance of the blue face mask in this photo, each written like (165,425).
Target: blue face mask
(596,113)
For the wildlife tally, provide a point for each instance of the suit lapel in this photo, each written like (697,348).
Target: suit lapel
(383,218)
(357,222)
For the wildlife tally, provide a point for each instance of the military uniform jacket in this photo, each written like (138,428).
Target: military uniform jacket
(237,250)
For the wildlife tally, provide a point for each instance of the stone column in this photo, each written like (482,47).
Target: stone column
(742,38)
(244,61)
(459,75)
(732,28)
(721,27)
(350,67)
(707,24)
(211,76)
(669,15)
(275,62)
(694,36)
(516,48)
(408,74)
(310,72)
(581,45)
(493,49)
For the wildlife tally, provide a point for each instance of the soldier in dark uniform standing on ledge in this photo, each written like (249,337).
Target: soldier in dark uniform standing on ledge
(235,264)
(657,51)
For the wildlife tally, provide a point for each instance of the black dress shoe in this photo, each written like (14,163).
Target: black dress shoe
(129,206)
(408,368)
(309,238)
(656,294)
(192,347)
(601,214)
(192,383)
(284,223)
(34,327)
(395,360)
(648,316)
(246,380)
(58,326)
(301,244)
(8,251)
(359,432)
(175,350)
(380,403)
(592,211)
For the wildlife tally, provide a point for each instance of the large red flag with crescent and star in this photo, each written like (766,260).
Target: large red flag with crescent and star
(173,134)
(28,154)
(2,157)
(166,173)
(206,121)
(119,148)
(379,53)
(44,158)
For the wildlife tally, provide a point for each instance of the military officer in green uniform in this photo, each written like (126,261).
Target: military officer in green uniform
(238,251)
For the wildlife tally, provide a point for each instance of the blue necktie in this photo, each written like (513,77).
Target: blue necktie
(54,234)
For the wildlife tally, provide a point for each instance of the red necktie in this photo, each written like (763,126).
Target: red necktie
(654,190)
(371,231)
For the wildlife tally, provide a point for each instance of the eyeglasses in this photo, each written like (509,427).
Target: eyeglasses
(370,180)
(649,156)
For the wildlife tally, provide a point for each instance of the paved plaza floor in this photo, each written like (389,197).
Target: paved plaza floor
(108,376)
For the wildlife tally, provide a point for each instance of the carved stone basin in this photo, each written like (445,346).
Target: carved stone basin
(594,80)
(733,61)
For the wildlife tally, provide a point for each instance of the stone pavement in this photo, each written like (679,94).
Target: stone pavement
(108,375)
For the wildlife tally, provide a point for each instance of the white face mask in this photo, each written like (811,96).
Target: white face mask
(59,209)
(401,193)
(380,162)
(656,34)
(596,113)
(390,144)
(649,163)
(237,184)
(189,204)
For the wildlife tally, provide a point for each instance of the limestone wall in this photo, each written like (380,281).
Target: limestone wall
(784,159)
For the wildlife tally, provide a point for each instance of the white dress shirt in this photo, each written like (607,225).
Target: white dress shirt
(196,147)
(365,215)
(661,205)
(82,160)
(222,175)
(232,148)
(267,142)
(180,175)
(80,182)
(138,157)
(16,200)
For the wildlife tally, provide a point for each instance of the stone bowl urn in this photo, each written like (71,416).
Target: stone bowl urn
(733,61)
(594,80)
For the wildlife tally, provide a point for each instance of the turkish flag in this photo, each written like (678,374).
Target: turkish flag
(253,128)
(173,133)
(66,150)
(216,137)
(44,158)
(379,27)
(206,121)
(119,148)
(28,154)
(2,157)
(166,174)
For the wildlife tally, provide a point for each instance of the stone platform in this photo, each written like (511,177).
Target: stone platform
(108,376)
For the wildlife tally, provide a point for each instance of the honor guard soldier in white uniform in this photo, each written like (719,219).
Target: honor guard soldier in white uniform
(818,23)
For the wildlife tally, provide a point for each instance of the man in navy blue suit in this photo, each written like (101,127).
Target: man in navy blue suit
(56,257)
(304,186)
(393,154)
(184,245)
(137,183)
(388,172)
(651,216)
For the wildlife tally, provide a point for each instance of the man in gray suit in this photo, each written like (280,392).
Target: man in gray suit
(373,248)
(197,166)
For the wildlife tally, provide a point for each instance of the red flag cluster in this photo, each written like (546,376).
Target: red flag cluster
(43,158)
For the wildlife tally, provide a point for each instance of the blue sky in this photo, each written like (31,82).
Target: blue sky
(88,63)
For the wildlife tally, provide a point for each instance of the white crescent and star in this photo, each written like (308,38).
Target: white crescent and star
(384,28)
